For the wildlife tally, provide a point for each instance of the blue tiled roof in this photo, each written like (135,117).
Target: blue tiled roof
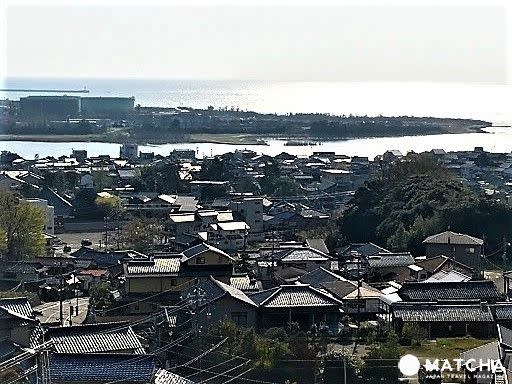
(72,368)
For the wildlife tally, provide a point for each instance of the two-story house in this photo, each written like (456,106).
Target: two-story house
(460,247)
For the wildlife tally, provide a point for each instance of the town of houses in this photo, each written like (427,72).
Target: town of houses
(224,255)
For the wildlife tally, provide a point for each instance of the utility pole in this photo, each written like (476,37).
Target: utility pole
(60,294)
(505,244)
(106,232)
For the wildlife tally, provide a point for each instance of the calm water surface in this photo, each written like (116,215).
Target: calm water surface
(496,139)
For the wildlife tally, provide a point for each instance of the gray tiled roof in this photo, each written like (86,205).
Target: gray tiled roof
(201,248)
(389,260)
(215,289)
(101,368)
(17,306)
(449,237)
(244,283)
(158,265)
(428,312)
(483,352)
(286,296)
(165,377)
(95,338)
(304,254)
(464,290)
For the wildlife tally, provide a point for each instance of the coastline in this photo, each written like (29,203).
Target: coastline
(220,138)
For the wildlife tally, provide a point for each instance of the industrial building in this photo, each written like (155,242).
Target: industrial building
(99,106)
(65,107)
(50,107)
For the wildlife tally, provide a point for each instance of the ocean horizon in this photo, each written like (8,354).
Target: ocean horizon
(472,101)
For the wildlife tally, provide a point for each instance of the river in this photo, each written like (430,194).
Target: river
(495,139)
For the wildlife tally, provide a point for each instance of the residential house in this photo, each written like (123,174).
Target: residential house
(463,248)
(299,303)
(455,292)
(100,368)
(433,265)
(106,338)
(229,236)
(219,301)
(169,275)
(445,320)
(389,266)
(17,320)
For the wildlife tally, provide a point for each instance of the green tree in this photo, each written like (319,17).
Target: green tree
(84,204)
(111,206)
(101,296)
(415,199)
(21,228)
(389,349)
(101,180)
(413,334)
(161,178)
(142,234)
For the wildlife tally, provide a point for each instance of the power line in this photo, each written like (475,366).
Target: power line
(202,354)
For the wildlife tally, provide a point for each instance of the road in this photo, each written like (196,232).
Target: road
(50,311)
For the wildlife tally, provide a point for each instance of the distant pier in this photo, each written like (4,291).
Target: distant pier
(46,90)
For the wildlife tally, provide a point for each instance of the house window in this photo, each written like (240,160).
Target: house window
(470,250)
(200,260)
(239,318)
(173,282)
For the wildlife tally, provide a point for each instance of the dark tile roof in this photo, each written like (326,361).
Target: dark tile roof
(201,248)
(430,312)
(319,276)
(340,288)
(95,338)
(464,290)
(102,368)
(7,350)
(364,249)
(503,311)
(449,237)
(286,296)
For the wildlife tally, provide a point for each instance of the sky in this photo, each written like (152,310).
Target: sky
(333,41)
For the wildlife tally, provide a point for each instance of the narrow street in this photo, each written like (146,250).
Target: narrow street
(50,311)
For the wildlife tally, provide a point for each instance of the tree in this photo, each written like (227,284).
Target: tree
(84,204)
(390,349)
(161,178)
(21,228)
(101,296)
(101,180)
(142,234)
(416,199)
(413,334)
(111,206)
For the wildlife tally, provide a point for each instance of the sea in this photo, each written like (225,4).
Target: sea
(488,102)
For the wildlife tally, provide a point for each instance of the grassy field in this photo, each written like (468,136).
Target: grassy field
(226,138)
(444,348)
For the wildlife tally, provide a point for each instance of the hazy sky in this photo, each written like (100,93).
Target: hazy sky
(302,43)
